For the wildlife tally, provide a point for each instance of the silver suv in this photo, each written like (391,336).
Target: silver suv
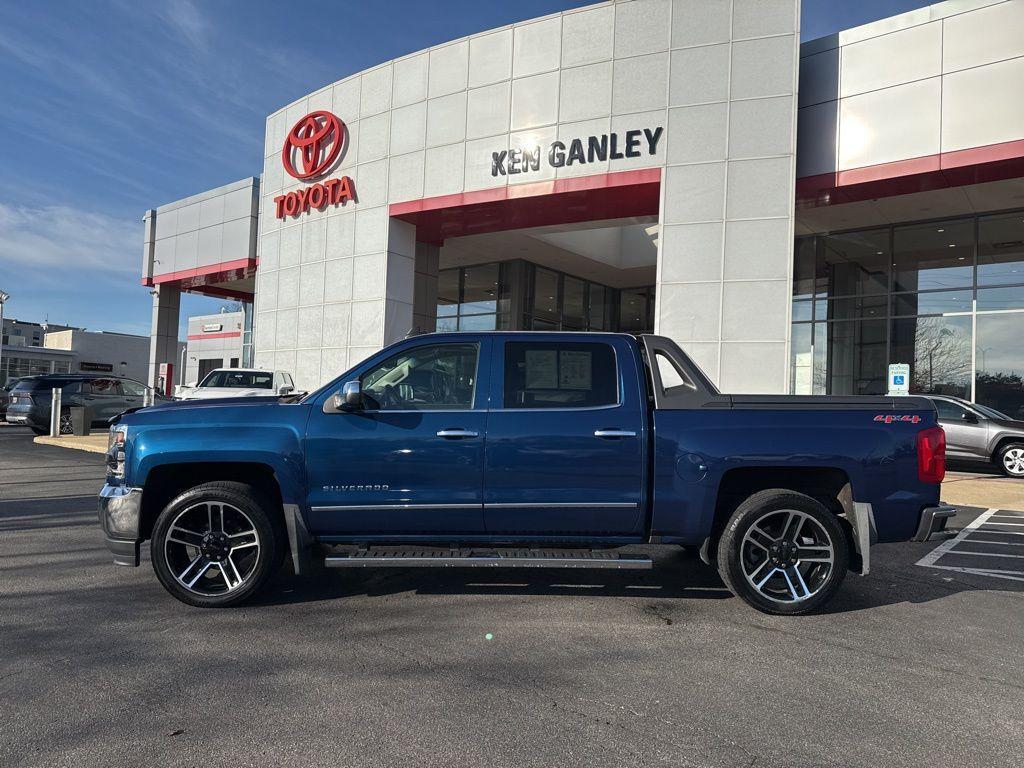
(978,433)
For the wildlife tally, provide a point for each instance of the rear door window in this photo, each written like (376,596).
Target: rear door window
(560,375)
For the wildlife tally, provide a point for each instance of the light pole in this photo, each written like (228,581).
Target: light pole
(3,300)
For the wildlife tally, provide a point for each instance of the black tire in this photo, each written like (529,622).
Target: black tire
(40,431)
(270,544)
(66,426)
(1012,465)
(783,592)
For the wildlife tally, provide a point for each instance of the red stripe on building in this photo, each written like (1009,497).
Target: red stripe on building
(225,335)
(516,206)
(203,271)
(975,165)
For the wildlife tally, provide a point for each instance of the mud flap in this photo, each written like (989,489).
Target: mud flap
(300,543)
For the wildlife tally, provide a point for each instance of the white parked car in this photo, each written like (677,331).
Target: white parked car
(238,382)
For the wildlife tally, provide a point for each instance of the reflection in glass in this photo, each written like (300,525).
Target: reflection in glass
(999,354)
(634,311)
(801,362)
(480,289)
(478,323)
(1001,249)
(938,350)
(599,308)
(935,255)
(854,263)
(801,311)
(1001,298)
(447,292)
(545,292)
(932,303)
(857,307)
(573,303)
(856,362)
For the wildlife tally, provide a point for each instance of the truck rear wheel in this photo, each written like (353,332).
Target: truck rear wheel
(216,545)
(783,553)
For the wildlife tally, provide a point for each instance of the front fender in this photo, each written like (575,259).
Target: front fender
(278,446)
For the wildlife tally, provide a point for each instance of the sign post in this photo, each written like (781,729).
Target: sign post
(899,379)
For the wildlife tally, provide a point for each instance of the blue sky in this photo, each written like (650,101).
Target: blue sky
(111,107)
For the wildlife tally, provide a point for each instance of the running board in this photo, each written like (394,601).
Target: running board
(378,557)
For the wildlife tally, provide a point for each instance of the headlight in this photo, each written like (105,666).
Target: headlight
(115,451)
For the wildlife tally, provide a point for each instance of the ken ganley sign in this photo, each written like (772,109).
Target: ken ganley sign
(310,150)
(580,151)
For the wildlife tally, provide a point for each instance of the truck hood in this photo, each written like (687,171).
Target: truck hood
(179,410)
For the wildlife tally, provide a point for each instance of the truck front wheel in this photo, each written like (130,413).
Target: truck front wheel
(216,545)
(783,552)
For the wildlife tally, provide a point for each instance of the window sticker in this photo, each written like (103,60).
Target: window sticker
(541,369)
(575,370)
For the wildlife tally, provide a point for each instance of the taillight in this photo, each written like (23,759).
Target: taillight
(931,455)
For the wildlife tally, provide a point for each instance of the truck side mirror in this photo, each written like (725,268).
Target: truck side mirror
(349,399)
(352,395)
(969,417)
(284,389)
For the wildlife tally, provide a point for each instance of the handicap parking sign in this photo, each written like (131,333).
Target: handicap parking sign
(899,379)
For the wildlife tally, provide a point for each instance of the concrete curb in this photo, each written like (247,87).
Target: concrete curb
(90,443)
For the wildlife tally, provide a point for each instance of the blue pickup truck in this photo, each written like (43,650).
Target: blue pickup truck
(522,450)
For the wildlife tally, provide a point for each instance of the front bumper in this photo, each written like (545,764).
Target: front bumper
(120,509)
(933,521)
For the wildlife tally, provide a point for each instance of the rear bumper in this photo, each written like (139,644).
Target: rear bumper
(120,510)
(933,520)
(33,417)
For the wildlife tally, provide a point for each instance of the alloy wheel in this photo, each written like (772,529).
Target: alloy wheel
(212,548)
(787,556)
(1013,461)
(65,426)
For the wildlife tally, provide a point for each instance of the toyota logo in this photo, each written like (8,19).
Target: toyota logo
(317,140)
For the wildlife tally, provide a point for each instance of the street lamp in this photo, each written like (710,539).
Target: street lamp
(3,300)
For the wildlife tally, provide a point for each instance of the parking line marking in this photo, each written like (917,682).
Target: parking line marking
(928,561)
(980,524)
(1014,525)
(1001,531)
(983,554)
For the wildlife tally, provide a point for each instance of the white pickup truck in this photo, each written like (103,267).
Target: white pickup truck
(238,382)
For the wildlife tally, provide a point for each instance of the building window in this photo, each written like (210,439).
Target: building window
(946,297)
(999,353)
(472,298)
(480,298)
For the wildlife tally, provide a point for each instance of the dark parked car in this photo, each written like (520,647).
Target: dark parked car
(978,433)
(5,394)
(103,396)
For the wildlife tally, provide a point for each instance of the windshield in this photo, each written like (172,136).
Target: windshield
(239,379)
(992,413)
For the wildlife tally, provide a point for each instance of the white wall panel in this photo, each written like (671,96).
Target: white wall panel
(899,57)
(537,47)
(892,124)
(490,58)
(587,36)
(983,36)
(984,105)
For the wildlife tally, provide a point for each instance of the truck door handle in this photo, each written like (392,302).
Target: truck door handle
(456,433)
(611,434)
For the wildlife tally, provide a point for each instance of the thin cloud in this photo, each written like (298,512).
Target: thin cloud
(60,237)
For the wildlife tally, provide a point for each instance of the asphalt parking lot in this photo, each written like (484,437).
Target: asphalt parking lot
(914,665)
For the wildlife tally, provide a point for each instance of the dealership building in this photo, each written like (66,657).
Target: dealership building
(797,217)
